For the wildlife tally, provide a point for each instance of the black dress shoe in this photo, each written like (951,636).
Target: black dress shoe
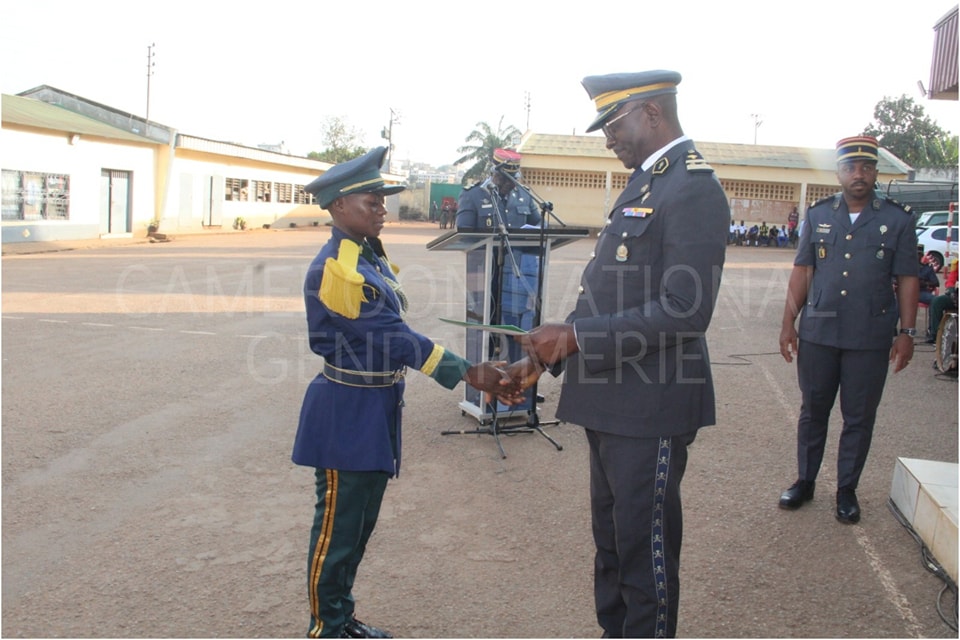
(848,509)
(799,492)
(353,628)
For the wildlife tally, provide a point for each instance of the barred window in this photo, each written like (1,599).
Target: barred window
(760,190)
(572,179)
(817,192)
(262,189)
(235,189)
(284,192)
(30,195)
(302,196)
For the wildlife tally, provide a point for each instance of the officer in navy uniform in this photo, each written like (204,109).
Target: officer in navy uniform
(637,370)
(852,247)
(481,208)
(349,426)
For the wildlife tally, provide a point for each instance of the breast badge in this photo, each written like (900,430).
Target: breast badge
(622,252)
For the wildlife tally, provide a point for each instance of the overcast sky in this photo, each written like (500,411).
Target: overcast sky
(253,73)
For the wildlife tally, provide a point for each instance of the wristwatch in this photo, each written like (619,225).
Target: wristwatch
(909,332)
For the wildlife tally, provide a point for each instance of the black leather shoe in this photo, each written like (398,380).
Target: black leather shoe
(799,492)
(353,628)
(848,509)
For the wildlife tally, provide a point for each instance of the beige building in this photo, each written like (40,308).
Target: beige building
(73,168)
(76,169)
(763,183)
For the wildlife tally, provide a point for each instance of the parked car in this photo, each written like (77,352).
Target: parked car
(933,243)
(934,218)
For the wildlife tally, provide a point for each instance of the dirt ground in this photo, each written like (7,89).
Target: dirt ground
(149,401)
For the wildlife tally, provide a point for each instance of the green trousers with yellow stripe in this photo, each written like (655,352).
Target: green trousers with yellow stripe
(348,503)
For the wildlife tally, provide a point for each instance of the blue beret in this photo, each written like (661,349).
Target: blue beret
(614,89)
(360,175)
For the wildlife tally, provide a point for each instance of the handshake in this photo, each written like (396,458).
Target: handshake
(544,346)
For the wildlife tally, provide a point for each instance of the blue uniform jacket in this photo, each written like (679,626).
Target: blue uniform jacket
(475,209)
(851,303)
(352,428)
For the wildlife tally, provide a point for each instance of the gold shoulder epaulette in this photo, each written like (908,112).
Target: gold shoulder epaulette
(341,288)
(695,162)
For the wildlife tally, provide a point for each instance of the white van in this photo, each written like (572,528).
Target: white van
(934,218)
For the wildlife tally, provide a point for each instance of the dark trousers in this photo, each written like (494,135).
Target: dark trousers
(859,374)
(637,529)
(348,503)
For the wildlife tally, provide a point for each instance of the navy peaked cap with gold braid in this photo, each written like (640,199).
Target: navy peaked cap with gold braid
(858,148)
(360,175)
(611,91)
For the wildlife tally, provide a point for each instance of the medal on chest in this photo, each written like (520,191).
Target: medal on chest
(622,252)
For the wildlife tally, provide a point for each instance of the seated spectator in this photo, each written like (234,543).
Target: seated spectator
(752,235)
(741,234)
(929,282)
(939,305)
(764,234)
(782,236)
(774,234)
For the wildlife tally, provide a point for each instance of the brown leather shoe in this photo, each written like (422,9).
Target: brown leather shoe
(799,492)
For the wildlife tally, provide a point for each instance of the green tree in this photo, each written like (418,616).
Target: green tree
(480,146)
(901,126)
(342,142)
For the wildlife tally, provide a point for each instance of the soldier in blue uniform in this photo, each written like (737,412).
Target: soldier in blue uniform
(637,371)
(482,207)
(350,419)
(852,247)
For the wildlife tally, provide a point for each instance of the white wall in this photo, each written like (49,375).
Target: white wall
(83,163)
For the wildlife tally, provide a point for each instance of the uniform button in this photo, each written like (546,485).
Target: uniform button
(593,254)
(849,237)
(843,292)
(846,273)
(579,289)
(847,256)
(609,221)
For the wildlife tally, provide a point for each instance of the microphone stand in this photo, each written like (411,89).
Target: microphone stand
(546,209)
(532,424)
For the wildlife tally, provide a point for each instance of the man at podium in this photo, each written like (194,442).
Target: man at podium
(498,204)
(497,198)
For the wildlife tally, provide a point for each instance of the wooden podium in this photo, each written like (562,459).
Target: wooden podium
(504,291)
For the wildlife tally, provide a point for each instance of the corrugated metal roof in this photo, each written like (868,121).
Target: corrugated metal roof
(716,153)
(944,70)
(28,112)
(234,150)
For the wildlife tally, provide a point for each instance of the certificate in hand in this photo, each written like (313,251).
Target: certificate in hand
(506,329)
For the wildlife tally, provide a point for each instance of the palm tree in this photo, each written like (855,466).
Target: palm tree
(484,141)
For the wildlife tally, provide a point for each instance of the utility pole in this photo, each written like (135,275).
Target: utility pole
(150,65)
(756,125)
(387,134)
(526,105)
